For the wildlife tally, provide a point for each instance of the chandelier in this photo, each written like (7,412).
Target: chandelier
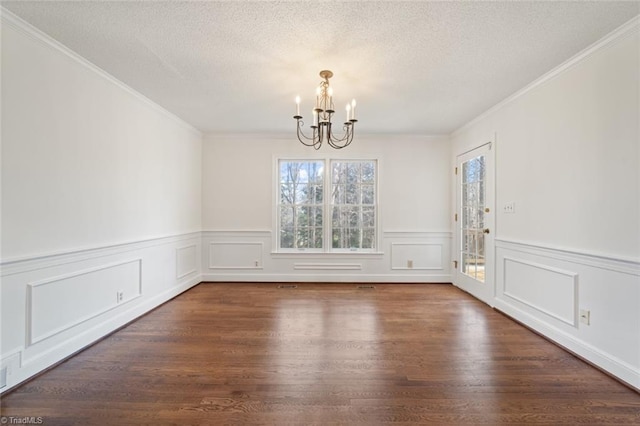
(322,114)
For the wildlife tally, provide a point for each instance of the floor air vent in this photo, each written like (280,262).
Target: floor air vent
(366,287)
(288,286)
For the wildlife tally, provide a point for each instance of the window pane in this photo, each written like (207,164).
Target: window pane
(480,269)
(286,217)
(337,172)
(318,194)
(368,172)
(353,188)
(472,195)
(353,172)
(302,238)
(353,193)
(317,242)
(286,237)
(354,238)
(339,194)
(368,238)
(353,218)
(465,172)
(368,196)
(336,238)
(469,243)
(368,217)
(469,264)
(335,217)
(318,216)
(301,198)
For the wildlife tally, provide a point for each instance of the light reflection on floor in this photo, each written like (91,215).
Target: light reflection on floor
(328,342)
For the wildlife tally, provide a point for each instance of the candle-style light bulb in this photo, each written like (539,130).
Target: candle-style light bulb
(315,117)
(348,112)
(297,105)
(353,109)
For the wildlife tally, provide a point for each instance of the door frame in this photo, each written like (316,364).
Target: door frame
(483,291)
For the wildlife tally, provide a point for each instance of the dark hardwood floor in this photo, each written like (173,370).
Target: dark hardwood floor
(321,354)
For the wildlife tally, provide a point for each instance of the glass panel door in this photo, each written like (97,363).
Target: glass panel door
(472,207)
(475,222)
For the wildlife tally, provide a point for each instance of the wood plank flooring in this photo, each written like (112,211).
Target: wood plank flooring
(324,354)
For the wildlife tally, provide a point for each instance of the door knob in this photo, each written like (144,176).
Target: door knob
(485,230)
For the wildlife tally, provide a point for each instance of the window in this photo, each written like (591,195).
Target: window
(350,203)
(353,209)
(301,204)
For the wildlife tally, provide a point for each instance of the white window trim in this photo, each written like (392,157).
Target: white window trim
(327,250)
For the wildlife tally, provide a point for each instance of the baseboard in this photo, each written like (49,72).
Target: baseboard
(618,369)
(327,278)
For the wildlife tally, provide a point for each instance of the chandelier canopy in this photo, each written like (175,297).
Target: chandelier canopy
(322,115)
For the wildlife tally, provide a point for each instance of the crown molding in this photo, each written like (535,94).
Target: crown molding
(280,136)
(10,19)
(627,29)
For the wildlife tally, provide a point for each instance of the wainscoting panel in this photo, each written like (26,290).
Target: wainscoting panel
(58,304)
(249,255)
(551,291)
(186,260)
(55,305)
(547,288)
(235,255)
(419,256)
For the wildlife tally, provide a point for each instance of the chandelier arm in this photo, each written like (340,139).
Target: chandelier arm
(333,141)
(345,140)
(321,136)
(304,137)
(317,138)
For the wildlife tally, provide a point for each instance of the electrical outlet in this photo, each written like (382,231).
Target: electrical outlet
(120,296)
(409,264)
(509,207)
(256,263)
(585,316)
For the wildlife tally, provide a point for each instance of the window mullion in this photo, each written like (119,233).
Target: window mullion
(327,223)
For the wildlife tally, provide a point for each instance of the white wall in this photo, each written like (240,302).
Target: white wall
(101,194)
(86,162)
(239,200)
(568,155)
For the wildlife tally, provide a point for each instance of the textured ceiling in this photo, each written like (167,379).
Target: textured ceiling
(414,67)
